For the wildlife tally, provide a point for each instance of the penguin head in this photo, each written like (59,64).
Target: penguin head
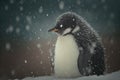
(66,24)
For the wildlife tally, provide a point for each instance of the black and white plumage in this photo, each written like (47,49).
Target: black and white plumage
(78,50)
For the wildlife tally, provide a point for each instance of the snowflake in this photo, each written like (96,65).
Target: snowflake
(40,10)
(61,25)
(10,29)
(73,19)
(81,48)
(38,45)
(41,62)
(17,18)
(31,72)
(8,46)
(40,29)
(13,72)
(25,61)
(21,8)
(47,15)
(38,38)
(92,48)
(27,27)
(28,18)
(17,30)
(11,1)
(78,2)
(61,5)
(6,7)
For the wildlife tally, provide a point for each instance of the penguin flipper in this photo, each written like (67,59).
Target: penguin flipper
(91,64)
(84,58)
(98,64)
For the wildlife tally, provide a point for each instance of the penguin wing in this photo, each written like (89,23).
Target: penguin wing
(84,56)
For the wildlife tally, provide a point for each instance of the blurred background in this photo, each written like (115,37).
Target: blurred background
(25,45)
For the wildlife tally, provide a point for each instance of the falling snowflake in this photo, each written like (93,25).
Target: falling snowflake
(78,2)
(61,25)
(41,62)
(25,61)
(11,1)
(73,19)
(27,27)
(17,30)
(17,18)
(10,29)
(21,8)
(47,15)
(8,46)
(94,44)
(61,5)
(40,10)
(40,29)
(6,7)
(92,48)
(38,45)
(111,41)
(31,72)
(38,38)
(28,18)
(80,48)
(13,72)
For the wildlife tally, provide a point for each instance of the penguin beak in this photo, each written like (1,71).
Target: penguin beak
(53,30)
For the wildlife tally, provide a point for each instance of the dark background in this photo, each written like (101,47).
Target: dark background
(25,45)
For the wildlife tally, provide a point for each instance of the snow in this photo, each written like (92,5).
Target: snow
(61,25)
(40,10)
(17,18)
(13,72)
(40,29)
(27,27)
(11,1)
(10,29)
(29,20)
(25,61)
(41,62)
(47,14)
(38,45)
(78,2)
(111,76)
(61,5)
(6,7)
(21,8)
(7,46)
(17,30)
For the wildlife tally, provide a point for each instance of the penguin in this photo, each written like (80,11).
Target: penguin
(78,50)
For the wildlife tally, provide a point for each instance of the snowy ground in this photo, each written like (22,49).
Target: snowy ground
(111,76)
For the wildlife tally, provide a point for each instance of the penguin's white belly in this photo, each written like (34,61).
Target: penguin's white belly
(66,56)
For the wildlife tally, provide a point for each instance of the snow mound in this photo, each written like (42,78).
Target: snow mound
(111,76)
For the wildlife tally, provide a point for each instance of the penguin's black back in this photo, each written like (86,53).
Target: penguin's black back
(86,59)
(89,63)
